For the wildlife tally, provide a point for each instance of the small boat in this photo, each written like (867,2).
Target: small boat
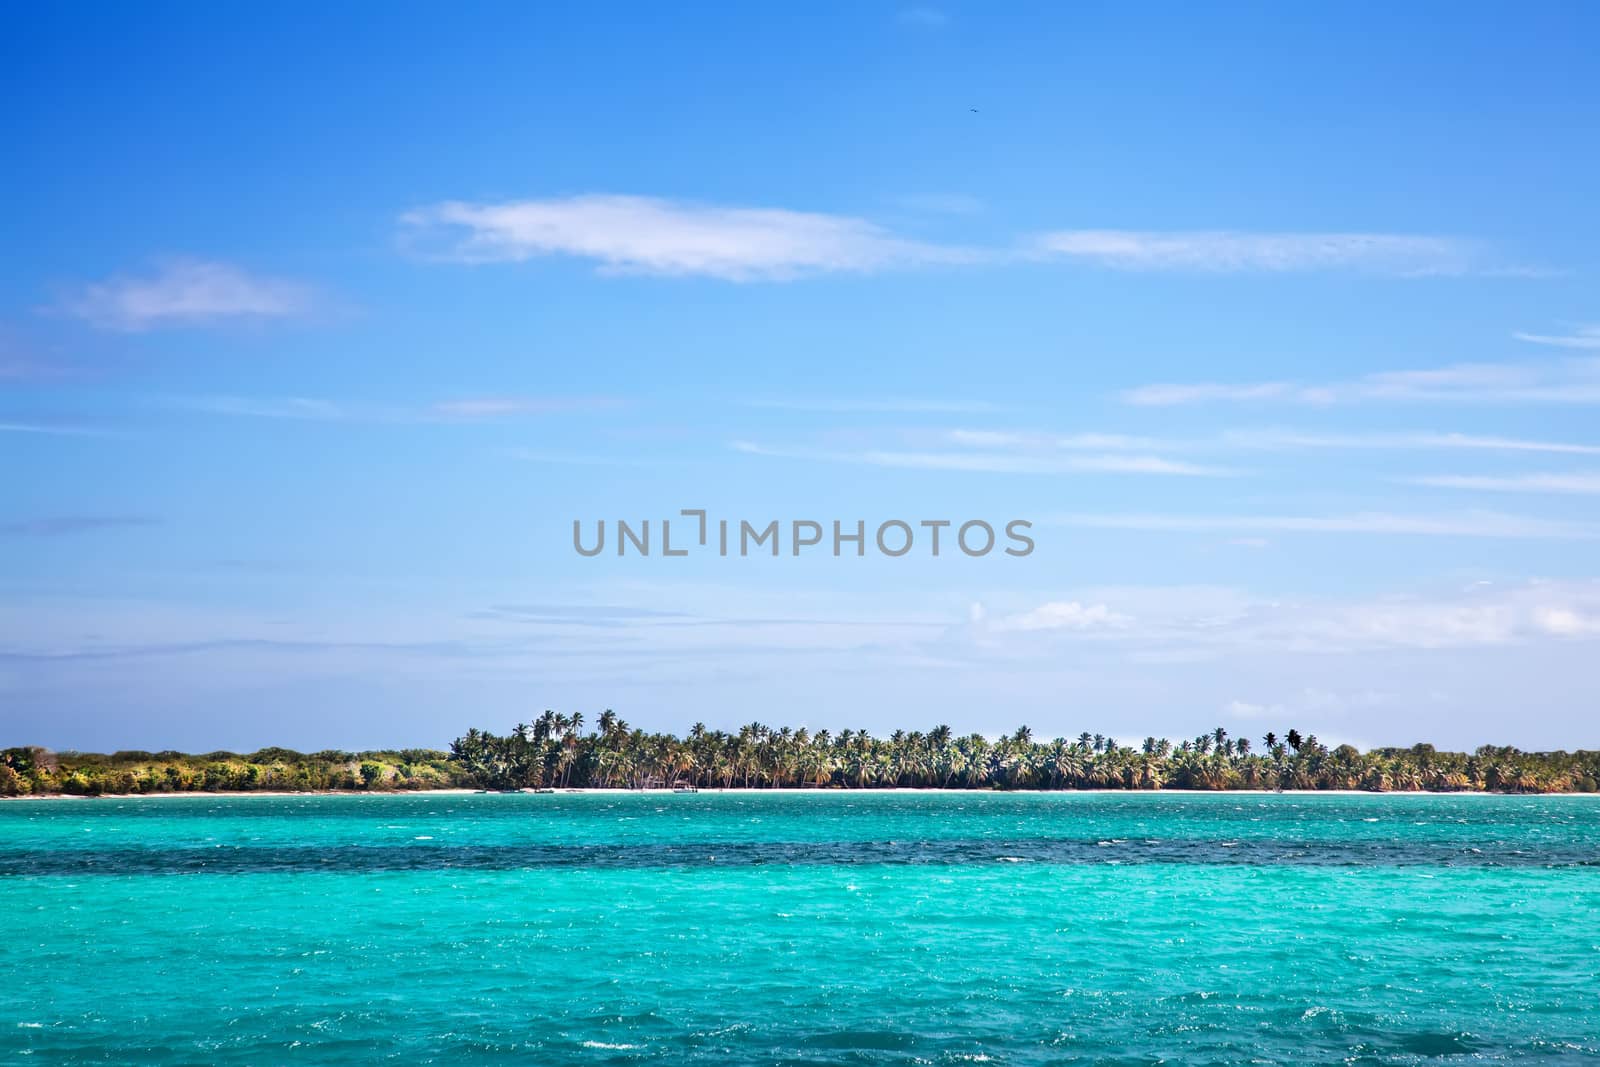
(546,789)
(684,787)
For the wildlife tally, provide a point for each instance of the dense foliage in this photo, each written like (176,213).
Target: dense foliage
(554,751)
(25,771)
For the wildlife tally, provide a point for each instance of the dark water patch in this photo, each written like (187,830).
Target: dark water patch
(1437,1043)
(432,856)
(854,1040)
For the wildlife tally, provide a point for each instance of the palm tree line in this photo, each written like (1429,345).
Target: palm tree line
(554,751)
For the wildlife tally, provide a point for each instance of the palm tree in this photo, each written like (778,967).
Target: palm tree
(554,749)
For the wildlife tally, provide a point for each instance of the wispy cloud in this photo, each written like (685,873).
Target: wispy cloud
(312,409)
(1485,524)
(188,292)
(1588,482)
(1266,440)
(288,407)
(1244,709)
(579,459)
(61,525)
(625,234)
(1574,381)
(1291,439)
(875,405)
(1055,615)
(1482,615)
(1030,451)
(1014,439)
(1233,251)
(1171,394)
(496,407)
(598,615)
(1582,337)
(645,235)
(992,462)
(1479,615)
(51,428)
(927,18)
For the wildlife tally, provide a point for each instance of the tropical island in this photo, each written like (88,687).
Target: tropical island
(556,752)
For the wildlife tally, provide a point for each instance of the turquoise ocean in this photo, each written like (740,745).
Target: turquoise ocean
(809,928)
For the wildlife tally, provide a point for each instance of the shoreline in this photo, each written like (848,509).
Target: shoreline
(743,791)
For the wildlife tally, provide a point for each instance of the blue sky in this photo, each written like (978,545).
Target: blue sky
(318,330)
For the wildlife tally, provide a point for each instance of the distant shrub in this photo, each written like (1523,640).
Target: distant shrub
(276,755)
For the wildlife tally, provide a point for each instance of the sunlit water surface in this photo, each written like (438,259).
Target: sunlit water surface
(871,928)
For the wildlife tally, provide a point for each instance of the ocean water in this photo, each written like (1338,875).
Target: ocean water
(812,928)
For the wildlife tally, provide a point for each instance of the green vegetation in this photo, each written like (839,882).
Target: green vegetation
(555,751)
(26,771)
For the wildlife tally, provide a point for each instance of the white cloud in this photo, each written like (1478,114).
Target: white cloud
(493,407)
(1243,709)
(1482,615)
(1575,381)
(994,463)
(1165,395)
(1034,452)
(1081,441)
(1061,615)
(313,409)
(626,234)
(188,292)
(51,428)
(1219,251)
(1517,483)
(1582,337)
(1310,702)
(874,405)
(1484,524)
(1174,624)
(1285,439)
(577,459)
(645,235)
(1562,621)
(1266,440)
(289,407)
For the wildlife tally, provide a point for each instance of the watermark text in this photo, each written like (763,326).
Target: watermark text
(696,532)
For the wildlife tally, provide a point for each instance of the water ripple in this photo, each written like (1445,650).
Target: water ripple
(429,855)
